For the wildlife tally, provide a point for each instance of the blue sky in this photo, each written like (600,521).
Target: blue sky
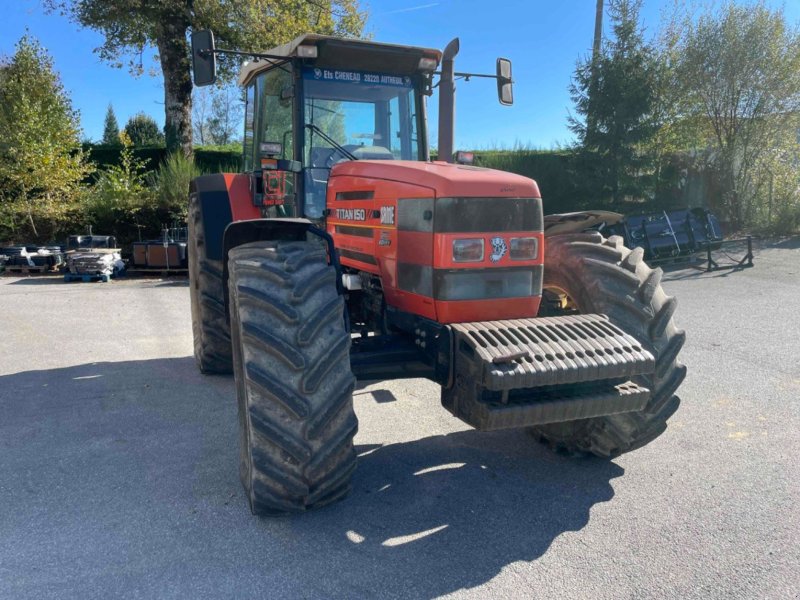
(543,39)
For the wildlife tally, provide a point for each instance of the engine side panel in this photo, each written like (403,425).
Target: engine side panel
(362,217)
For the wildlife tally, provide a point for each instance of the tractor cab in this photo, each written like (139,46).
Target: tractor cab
(328,101)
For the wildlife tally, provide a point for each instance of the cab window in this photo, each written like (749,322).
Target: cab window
(268,115)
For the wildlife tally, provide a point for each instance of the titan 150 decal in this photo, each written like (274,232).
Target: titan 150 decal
(351,214)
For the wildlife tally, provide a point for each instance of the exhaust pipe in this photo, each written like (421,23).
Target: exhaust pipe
(447,102)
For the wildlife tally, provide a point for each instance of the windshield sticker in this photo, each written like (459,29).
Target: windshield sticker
(357,77)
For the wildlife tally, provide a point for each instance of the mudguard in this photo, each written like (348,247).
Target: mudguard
(258,230)
(577,222)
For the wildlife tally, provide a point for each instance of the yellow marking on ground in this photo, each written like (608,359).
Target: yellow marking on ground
(722,402)
(738,435)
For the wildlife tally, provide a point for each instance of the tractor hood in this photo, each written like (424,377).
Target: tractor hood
(447,180)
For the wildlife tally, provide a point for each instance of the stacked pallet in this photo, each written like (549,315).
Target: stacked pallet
(95,263)
(27,259)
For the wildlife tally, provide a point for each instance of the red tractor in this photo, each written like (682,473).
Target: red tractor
(343,253)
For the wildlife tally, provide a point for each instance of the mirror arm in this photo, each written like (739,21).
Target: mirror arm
(468,75)
(250,54)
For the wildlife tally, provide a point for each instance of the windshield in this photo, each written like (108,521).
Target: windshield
(371,115)
(353,114)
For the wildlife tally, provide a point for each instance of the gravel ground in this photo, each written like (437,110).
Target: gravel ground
(119,478)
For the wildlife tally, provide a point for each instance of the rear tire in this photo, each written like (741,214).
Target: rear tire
(212,337)
(602,276)
(293,380)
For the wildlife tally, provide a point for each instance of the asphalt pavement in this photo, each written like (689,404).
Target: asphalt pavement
(118,468)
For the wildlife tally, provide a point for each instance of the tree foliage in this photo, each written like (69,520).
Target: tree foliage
(739,71)
(142,130)
(120,190)
(128,202)
(41,162)
(131,27)
(110,128)
(615,97)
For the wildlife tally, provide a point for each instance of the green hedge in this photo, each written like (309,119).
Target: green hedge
(209,161)
(553,171)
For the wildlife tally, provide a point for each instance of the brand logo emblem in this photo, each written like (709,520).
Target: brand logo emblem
(387,215)
(499,249)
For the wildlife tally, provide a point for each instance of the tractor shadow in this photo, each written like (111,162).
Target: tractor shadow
(379,396)
(156,442)
(449,512)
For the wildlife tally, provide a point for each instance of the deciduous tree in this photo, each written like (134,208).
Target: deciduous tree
(201,108)
(41,162)
(739,70)
(131,27)
(143,130)
(225,120)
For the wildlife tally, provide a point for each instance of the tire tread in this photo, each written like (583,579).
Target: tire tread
(294,383)
(607,277)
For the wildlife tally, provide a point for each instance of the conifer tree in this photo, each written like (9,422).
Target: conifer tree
(111,128)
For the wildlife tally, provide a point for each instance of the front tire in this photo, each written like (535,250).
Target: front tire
(601,275)
(293,380)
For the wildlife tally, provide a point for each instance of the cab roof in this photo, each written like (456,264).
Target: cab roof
(343,53)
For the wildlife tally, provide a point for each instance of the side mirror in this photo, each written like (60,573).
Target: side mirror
(505,91)
(204,60)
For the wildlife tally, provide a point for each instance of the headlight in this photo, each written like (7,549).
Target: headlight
(526,248)
(468,250)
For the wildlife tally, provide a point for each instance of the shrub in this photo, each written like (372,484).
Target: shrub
(170,184)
